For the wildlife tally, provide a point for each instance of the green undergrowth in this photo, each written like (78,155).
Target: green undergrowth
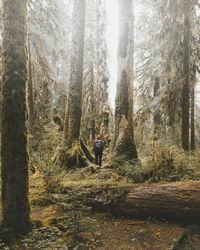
(66,170)
(93,187)
(165,163)
(82,189)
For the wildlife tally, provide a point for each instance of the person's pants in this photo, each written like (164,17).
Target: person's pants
(98,157)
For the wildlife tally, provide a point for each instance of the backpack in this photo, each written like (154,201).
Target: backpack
(98,145)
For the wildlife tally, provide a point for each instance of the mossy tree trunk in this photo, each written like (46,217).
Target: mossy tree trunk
(92,104)
(14,153)
(156,117)
(74,103)
(186,80)
(124,137)
(102,75)
(30,92)
(88,124)
(192,122)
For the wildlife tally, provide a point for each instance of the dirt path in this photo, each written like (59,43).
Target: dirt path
(59,227)
(132,234)
(106,232)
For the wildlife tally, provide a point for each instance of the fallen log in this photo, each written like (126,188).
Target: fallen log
(174,201)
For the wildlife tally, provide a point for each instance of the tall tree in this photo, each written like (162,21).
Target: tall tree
(124,137)
(74,103)
(164,59)
(89,95)
(186,74)
(192,111)
(14,116)
(30,92)
(89,106)
(49,35)
(95,78)
(102,75)
(192,126)
(156,117)
(101,54)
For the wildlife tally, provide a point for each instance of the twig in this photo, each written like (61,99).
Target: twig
(180,240)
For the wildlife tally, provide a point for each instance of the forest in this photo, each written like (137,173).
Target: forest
(100,124)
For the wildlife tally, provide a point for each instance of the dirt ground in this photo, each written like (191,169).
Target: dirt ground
(95,230)
(125,233)
(132,234)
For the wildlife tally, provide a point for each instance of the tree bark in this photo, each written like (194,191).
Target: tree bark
(92,104)
(86,151)
(74,100)
(156,117)
(192,121)
(14,153)
(175,201)
(89,106)
(124,137)
(30,94)
(192,138)
(101,50)
(186,73)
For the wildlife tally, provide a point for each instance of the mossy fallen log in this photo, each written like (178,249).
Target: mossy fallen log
(175,201)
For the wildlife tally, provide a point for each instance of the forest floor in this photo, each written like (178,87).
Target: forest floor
(61,223)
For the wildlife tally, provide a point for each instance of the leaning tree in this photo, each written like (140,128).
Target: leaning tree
(73,145)
(16,209)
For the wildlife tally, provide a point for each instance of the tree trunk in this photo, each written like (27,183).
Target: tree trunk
(86,151)
(176,201)
(30,94)
(192,122)
(192,138)
(92,104)
(124,138)
(55,77)
(74,103)
(156,117)
(88,106)
(101,65)
(14,116)
(186,73)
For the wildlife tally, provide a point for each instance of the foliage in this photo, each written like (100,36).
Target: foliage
(43,149)
(169,163)
(159,162)
(159,54)
(49,30)
(96,76)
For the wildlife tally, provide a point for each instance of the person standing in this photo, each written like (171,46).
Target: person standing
(98,150)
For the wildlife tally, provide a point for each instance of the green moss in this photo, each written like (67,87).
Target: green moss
(112,164)
(15,158)
(70,157)
(74,157)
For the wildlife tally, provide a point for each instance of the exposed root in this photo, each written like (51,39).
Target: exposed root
(180,241)
(71,157)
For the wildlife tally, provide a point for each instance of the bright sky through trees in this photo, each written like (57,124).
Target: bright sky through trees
(112,41)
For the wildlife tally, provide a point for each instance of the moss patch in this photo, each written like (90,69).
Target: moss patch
(71,157)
